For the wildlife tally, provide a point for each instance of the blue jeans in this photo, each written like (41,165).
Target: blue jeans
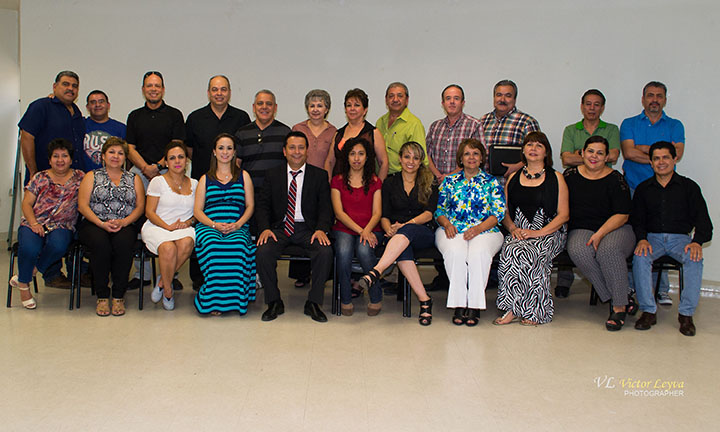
(40,252)
(346,247)
(671,245)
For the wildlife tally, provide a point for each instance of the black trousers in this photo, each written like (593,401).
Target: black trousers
(321,261)
(110,254)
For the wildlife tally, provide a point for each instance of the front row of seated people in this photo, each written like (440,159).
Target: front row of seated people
(590,205)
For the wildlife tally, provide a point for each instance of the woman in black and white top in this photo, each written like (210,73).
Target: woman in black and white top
(111,199)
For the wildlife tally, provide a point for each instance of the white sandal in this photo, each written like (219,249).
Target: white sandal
(29,303)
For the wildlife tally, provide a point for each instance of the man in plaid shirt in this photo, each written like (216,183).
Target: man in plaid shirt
(506,125)
(446,134)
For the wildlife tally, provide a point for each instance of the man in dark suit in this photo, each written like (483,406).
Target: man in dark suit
(294,209)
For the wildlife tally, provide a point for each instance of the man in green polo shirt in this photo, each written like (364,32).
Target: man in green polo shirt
(399,125)
(592,106)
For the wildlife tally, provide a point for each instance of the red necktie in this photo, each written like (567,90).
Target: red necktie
(290,213)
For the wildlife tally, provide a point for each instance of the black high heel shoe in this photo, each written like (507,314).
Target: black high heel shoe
(426,308)
(369,279)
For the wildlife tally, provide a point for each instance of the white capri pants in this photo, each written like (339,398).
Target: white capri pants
(467,263)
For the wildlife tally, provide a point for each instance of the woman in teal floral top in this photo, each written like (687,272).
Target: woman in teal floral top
(470,205)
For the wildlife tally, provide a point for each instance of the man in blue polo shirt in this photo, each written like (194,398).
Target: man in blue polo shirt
(637,134)
(98,128)
(48,118)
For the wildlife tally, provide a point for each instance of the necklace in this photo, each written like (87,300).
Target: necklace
(179,184)
(532,176)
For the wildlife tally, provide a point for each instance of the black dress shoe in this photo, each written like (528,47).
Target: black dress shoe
(686,325)
(646,321)
(135,284)
(274,309)
(177,285)
(313,310)
(562,291)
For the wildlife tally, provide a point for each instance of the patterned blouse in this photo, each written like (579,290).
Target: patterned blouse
(467,203)
(56,206)
(108,201)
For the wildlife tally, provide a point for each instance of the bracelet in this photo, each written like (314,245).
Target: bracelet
(213,225)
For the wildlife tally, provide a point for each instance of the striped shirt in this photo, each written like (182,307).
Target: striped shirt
(443,140)
(261,149)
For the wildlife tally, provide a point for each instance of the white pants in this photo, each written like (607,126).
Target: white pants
(467,263)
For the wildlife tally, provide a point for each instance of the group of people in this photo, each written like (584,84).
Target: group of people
(258,188)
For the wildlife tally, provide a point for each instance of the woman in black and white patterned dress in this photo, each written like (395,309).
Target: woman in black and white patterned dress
(537,202)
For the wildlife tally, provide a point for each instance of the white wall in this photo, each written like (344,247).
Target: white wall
(553,50)
(9,110)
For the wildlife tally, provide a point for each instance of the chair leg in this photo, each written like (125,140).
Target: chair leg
(593,296)
(12,267)
(142,277)
(335,309)
(681,282)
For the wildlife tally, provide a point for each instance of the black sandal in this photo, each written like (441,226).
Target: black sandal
(615,321)
(370,279)
(632,306)
(473,316)
(426,308)
(459,316)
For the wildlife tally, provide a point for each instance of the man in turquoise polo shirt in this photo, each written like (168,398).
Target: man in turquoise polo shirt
(592,105)
(399,125)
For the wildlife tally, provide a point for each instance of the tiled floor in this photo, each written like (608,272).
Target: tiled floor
(155,370)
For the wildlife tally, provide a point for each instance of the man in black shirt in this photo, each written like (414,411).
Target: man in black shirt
(666,209)
(149,129)
(201,128)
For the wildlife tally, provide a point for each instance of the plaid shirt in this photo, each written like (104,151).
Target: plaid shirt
(509,130)
(443,140)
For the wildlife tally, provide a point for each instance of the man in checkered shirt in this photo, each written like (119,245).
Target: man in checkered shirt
(506,125)
(445,135)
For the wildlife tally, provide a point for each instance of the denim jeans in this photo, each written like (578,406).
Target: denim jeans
(671,245)
(346,247)
(40,252)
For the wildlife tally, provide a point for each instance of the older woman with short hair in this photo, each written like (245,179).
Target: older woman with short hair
(316,128)
(470,205)
(49,210)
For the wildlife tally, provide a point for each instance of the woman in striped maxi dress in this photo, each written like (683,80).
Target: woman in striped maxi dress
(224,203)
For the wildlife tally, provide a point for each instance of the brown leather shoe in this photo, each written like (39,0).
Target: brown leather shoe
(687,327)
(646,321)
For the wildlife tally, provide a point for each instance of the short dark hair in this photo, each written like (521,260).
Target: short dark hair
(595,92)
(540,137)
(663,145)
(655,84)
(296,134)
(597,139)
(94,92)
(472,143)
(506,82)
(358,94)
(59,144)
(148,73)
(457,86)
(174,144)
(66,73)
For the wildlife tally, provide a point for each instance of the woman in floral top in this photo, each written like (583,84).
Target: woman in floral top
(49,215)
(470,205)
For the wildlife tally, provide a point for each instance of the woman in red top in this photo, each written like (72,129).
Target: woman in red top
(356,199)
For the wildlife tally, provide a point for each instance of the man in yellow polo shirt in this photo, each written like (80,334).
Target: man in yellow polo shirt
(399,125)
